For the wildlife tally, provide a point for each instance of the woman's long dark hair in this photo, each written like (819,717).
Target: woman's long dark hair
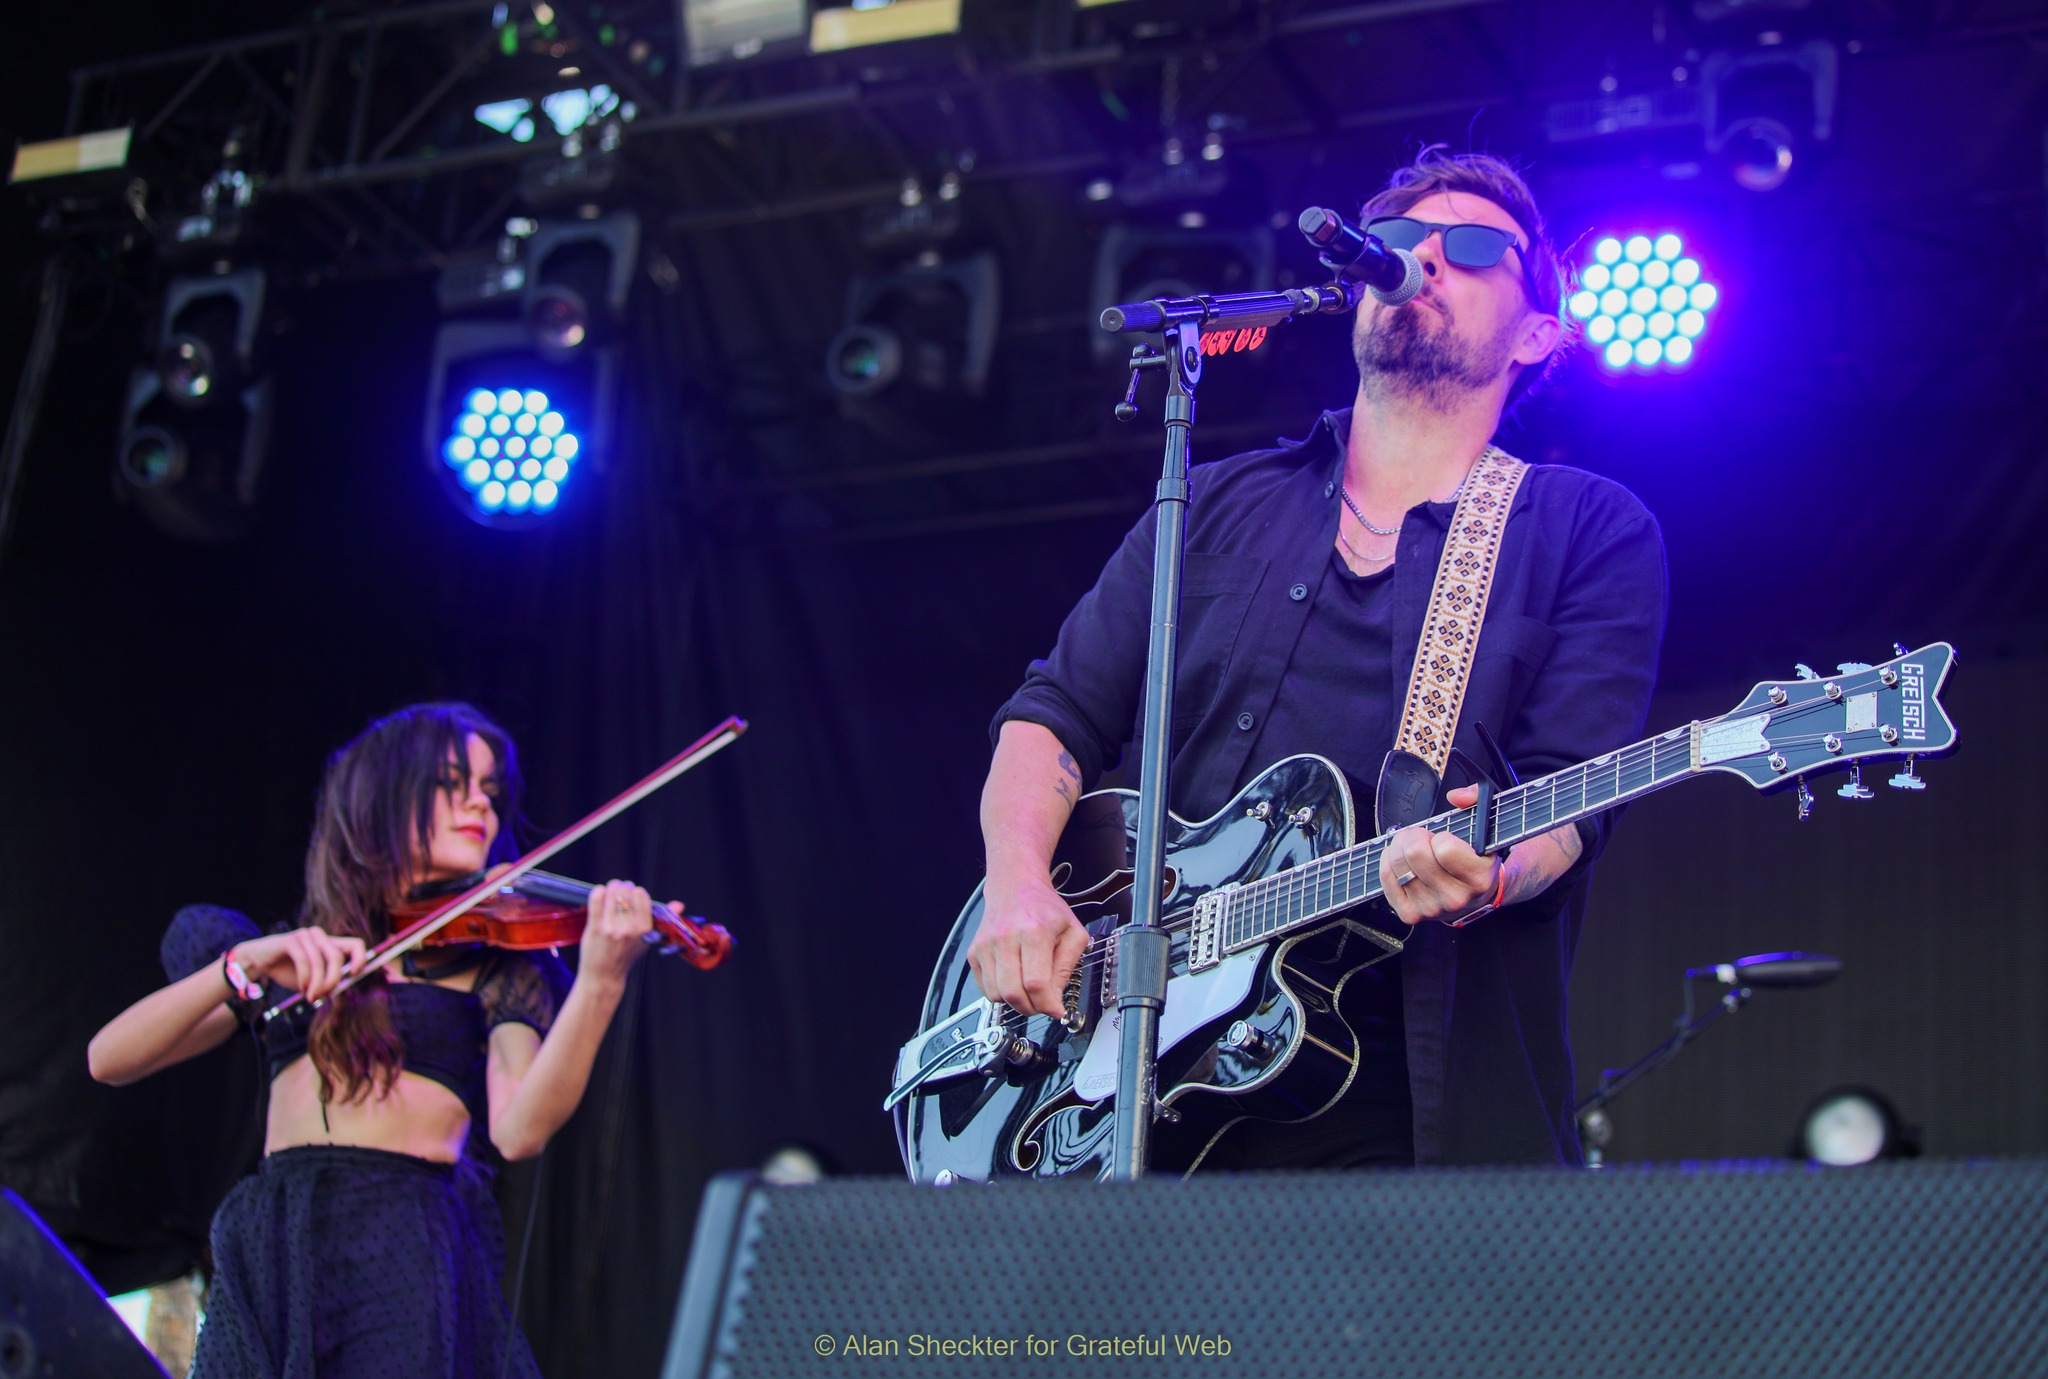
(370,835)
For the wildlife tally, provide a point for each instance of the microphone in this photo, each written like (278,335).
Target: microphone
(1771,969)
(1394,275)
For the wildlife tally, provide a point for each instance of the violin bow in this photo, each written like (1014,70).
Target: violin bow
(412,937)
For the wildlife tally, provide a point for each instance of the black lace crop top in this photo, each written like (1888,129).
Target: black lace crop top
(444,1031)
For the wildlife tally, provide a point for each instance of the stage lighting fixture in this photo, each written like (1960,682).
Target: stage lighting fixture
(1642,302)
(716,31)
(1854,1125)
(869,22)
(1764,105)
(578,275)
(511,451)
(917,344)
(196,422)
(511,434)
(518,409)
(566,111)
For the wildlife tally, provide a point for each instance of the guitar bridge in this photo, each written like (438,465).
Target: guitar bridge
(1205,934)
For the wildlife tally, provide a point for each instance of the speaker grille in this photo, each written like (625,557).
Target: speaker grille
(1917,1270)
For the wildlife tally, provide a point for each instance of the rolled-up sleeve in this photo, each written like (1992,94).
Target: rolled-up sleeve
(1087,691)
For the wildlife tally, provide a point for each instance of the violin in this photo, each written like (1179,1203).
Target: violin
(543,910)
(694,938)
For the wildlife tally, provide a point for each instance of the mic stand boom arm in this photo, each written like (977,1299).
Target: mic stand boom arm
(1236,309)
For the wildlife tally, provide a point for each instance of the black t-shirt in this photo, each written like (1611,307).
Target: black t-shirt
(1344,658)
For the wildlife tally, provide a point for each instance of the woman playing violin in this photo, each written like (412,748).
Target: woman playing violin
(367,1242)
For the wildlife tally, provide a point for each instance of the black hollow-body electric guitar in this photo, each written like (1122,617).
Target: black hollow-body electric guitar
(1272,905)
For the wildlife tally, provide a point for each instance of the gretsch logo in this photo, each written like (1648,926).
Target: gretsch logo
(1913,693)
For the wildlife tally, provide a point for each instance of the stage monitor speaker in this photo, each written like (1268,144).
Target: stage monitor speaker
(1915,1270)
(54,1320)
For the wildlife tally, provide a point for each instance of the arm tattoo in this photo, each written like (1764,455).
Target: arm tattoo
(1068,765)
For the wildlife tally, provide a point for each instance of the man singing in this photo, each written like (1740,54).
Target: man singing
(1309,568)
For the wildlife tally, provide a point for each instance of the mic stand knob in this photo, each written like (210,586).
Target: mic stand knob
(1143,357)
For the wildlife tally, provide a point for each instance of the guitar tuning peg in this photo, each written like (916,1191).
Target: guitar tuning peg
(1804,671)
(1853,667)
(1907,779)
(1805,800)
(1856,789)
(1898,648)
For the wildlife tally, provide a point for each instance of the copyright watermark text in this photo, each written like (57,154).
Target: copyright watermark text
(860,1345)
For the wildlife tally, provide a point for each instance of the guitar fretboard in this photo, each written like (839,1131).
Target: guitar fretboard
(1260,909)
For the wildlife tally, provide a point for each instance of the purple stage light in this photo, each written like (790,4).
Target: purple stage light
(512,451)
(1642,302)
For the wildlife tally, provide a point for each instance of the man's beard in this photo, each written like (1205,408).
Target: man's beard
(1399,358)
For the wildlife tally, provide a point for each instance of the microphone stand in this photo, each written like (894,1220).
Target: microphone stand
(1596,1131)
(1143,949)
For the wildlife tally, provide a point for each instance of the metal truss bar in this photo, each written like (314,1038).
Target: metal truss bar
(1371,14)
(184,93)
(273,38)
(849,198)
(312,94)
(726,217)
(427,102)
(621,75)
(486,155)
(359,114)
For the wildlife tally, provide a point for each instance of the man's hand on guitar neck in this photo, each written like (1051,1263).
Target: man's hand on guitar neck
(1438,876)
(1029,941)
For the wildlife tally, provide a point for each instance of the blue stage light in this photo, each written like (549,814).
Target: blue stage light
(511,451)
(1643,301)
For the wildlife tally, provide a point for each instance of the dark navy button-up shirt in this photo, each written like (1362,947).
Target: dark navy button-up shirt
(1563,672)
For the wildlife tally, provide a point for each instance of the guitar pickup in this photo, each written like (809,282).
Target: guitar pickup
(1205,934)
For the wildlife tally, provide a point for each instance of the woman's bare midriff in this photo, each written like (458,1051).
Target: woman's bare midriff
(418,1116)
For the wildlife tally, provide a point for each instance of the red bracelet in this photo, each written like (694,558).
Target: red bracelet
(1500,895)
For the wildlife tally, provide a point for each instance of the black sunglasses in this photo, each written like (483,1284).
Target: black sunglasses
(1468,246)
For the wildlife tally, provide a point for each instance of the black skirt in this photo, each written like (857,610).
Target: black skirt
(342,1262)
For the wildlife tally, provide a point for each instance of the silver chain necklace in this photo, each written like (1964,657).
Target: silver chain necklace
(1395,530)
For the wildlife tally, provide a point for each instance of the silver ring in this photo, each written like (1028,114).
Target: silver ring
(1404,878)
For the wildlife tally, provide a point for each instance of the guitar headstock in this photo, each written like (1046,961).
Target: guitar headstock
(1786,729)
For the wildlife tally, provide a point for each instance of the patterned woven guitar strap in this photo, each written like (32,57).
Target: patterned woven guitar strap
(1457,608)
